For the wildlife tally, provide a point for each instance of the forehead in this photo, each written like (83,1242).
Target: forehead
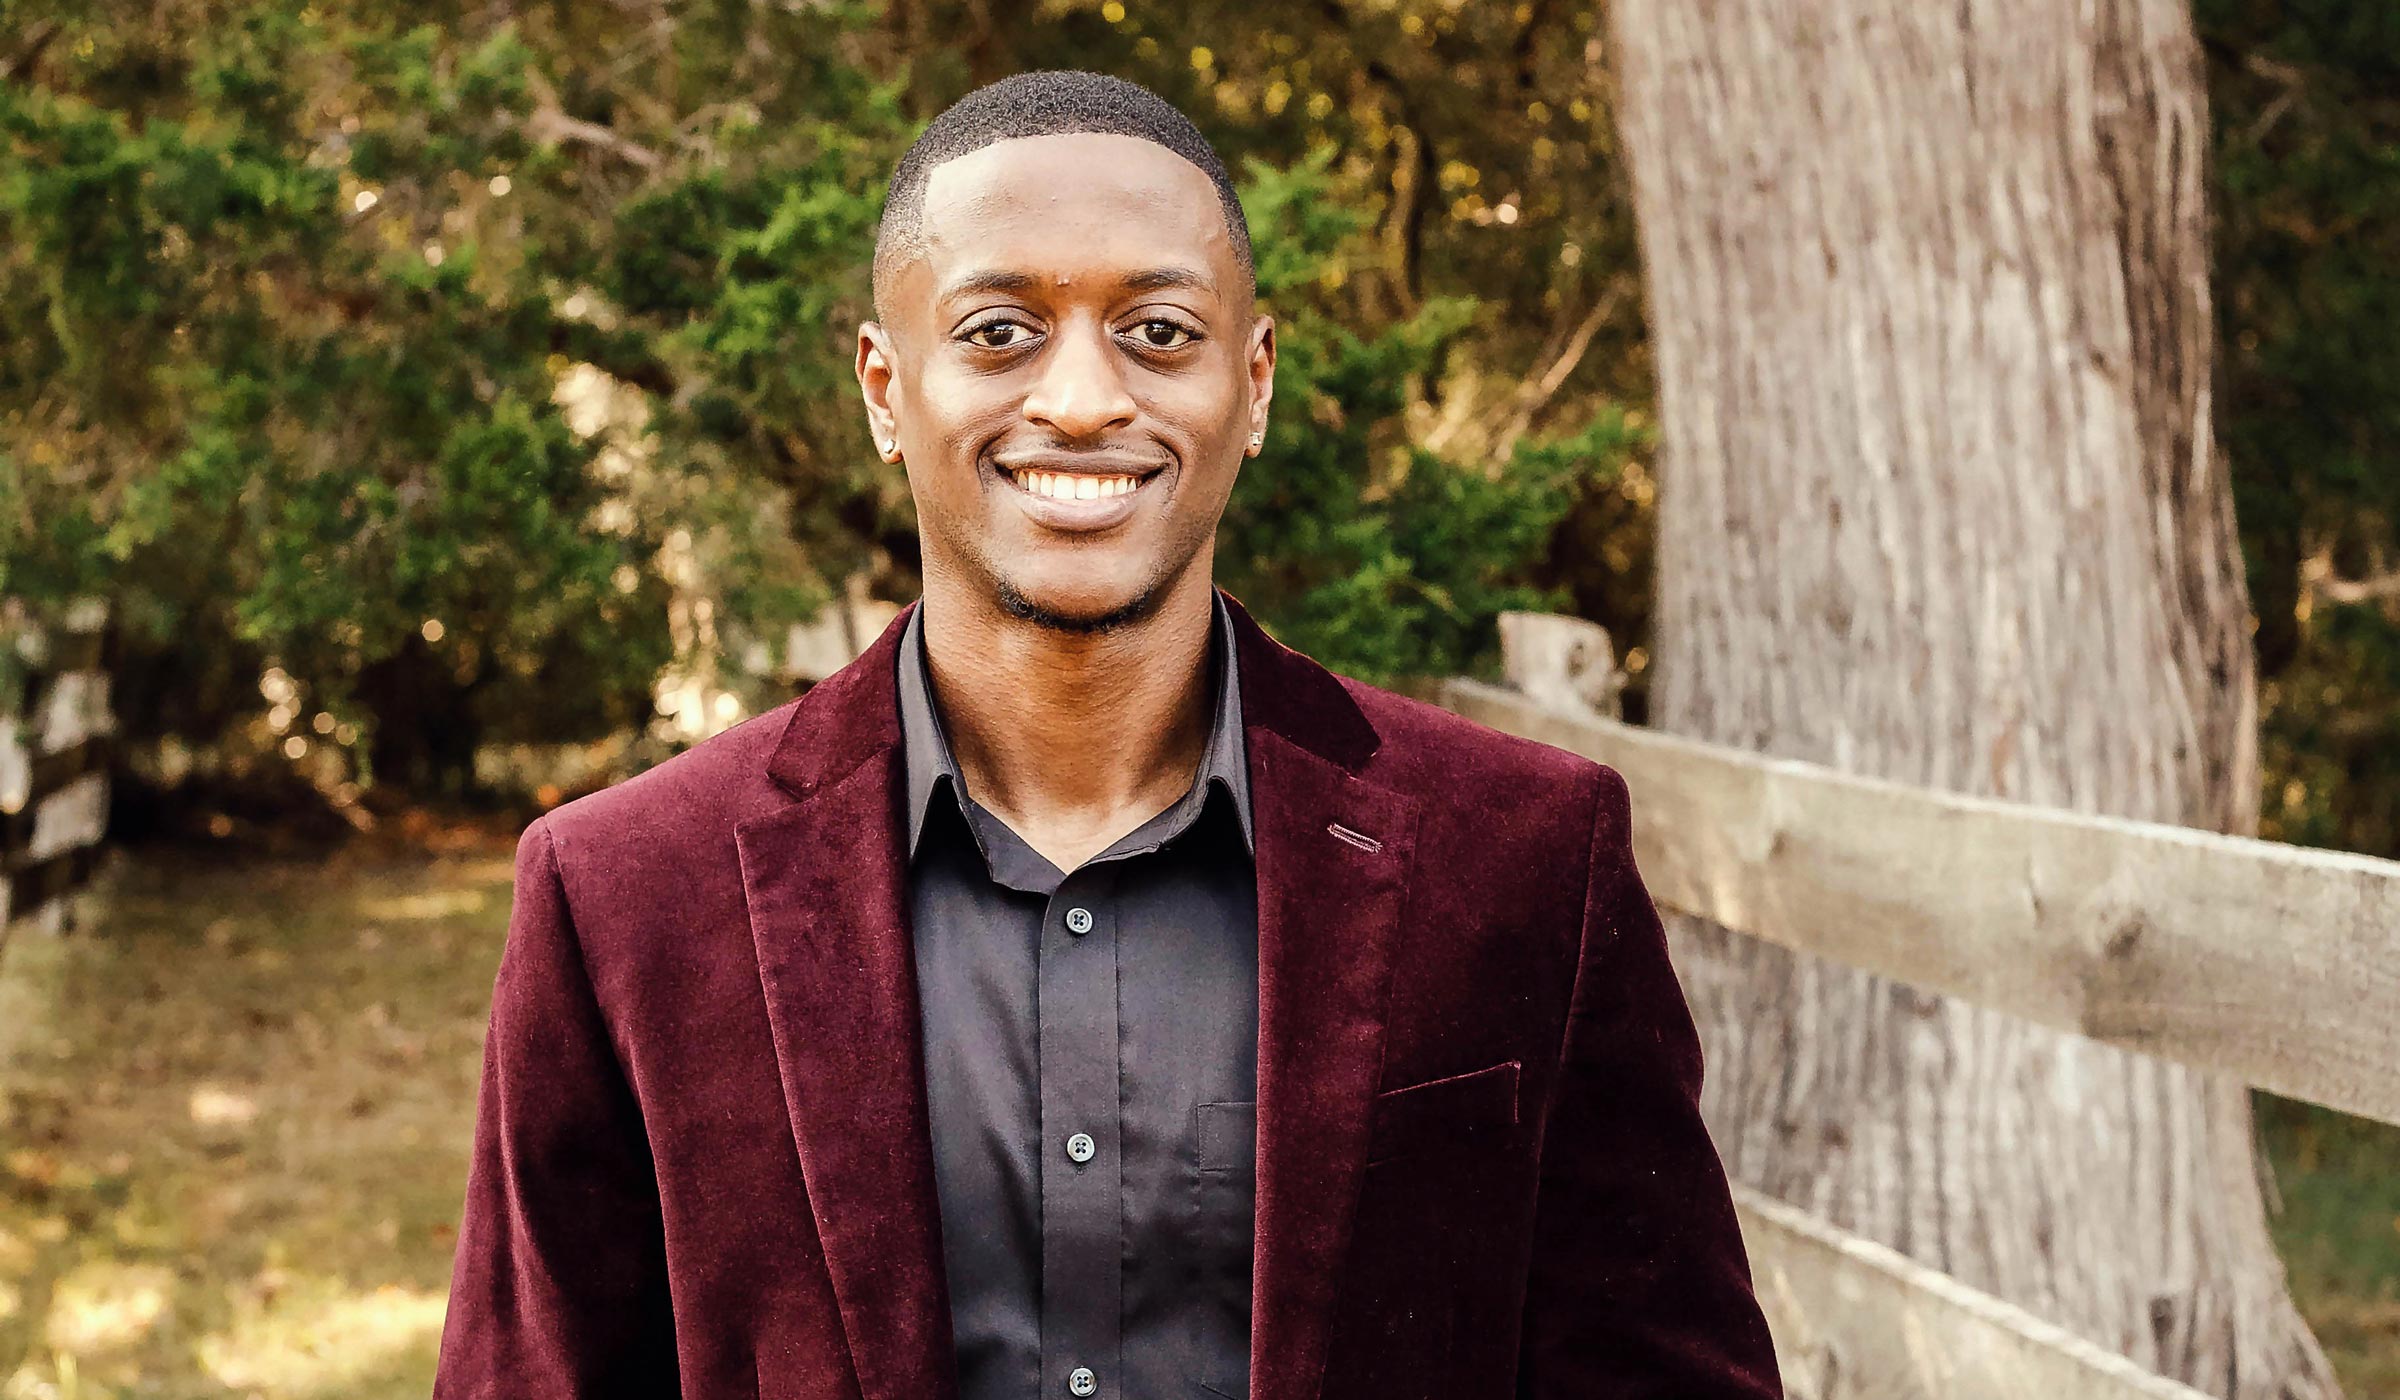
(1074,204)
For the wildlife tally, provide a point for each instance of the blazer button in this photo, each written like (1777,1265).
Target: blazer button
(1080,1147)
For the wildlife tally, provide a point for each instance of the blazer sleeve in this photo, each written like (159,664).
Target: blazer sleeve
(559,1287)
(1639,1287)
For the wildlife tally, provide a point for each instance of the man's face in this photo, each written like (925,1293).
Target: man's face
(1078,313)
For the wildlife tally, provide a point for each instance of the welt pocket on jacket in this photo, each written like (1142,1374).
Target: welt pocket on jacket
(1478,1106)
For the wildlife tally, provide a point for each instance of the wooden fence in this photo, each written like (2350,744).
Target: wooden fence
(56,736)
(2142,935)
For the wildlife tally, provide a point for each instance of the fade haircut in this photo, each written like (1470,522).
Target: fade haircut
(1045,103)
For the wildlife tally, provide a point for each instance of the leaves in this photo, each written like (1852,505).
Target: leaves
(294,302)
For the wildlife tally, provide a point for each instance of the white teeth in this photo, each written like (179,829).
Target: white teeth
(1065,486)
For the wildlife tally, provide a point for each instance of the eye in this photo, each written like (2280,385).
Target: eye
(998,334)
(1158,333)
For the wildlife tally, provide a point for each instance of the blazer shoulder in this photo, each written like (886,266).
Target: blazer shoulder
(1429,748)
(1508,826)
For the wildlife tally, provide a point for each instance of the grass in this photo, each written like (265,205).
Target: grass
(2339,1234)
(234,1125)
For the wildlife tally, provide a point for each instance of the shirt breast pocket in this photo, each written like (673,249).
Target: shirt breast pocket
(1224,1201)
(1476,1108)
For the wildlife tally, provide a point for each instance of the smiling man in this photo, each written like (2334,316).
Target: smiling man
(1082,993)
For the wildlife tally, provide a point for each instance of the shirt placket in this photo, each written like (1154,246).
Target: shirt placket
(1081,1147)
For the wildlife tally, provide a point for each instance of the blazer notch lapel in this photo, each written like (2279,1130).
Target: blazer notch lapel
(826,891)
(1329,913)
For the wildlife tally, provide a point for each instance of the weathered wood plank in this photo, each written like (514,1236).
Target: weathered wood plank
(51,896)
(21,802)
(71,817)
(2277,964)
(57,736)
(52,771)
(1563,663)
(1859,1320)
(65,708)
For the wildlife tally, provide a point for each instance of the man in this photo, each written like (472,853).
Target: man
(1082,993)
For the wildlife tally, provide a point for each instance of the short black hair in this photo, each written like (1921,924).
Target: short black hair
(1043,103)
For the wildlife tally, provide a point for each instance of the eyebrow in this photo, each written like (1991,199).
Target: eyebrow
(1148,279)
(977,282)
(1151,279)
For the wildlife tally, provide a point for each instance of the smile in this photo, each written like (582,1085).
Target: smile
(1078,502)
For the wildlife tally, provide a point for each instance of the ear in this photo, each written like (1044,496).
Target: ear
(1261,373)
(877,366)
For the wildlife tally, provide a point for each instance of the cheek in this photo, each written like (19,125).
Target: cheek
(1224,415)
(958,415)
(1208,417)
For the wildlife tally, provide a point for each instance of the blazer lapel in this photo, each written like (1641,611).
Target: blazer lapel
(1334,858)
(826,883)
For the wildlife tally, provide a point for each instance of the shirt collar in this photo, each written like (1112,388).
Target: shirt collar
(926,744)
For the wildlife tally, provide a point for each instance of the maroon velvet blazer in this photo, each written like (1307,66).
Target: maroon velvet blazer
(702,1162)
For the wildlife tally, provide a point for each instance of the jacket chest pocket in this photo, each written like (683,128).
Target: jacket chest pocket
(1436,1179)
(1224,1196)
(1477,1107)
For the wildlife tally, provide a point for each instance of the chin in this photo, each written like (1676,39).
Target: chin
(1077,604)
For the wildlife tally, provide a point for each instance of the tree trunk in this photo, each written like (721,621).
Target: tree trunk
(1939,502)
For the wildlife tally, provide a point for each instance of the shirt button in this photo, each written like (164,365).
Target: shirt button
(1079,920)
(1080,1147)
(1081,1381)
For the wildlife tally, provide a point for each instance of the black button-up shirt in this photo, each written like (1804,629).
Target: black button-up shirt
(1091,1061)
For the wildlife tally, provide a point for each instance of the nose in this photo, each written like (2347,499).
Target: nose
(1080,391)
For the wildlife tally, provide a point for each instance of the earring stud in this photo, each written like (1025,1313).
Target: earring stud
(1258,439)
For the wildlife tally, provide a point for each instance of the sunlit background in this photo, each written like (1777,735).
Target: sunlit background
(412,418)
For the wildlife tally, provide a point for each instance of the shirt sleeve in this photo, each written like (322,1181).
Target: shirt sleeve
(559,1286)
(1639,1285)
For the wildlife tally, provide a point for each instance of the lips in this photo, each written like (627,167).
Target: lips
(1047,488)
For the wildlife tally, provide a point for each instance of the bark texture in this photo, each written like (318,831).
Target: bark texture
(1939,502)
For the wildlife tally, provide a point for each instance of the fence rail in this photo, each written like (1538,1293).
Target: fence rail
(1858,1319)
(2271,963)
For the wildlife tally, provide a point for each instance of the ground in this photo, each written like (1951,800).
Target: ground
(234,1120)
(233,1128)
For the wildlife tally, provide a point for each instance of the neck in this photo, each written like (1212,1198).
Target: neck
(1073,739)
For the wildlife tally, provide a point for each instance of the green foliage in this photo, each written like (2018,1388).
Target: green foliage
(242,415)
(2305,100)
(299,305)
(288,293)
(1377,556)
(2337,1228)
